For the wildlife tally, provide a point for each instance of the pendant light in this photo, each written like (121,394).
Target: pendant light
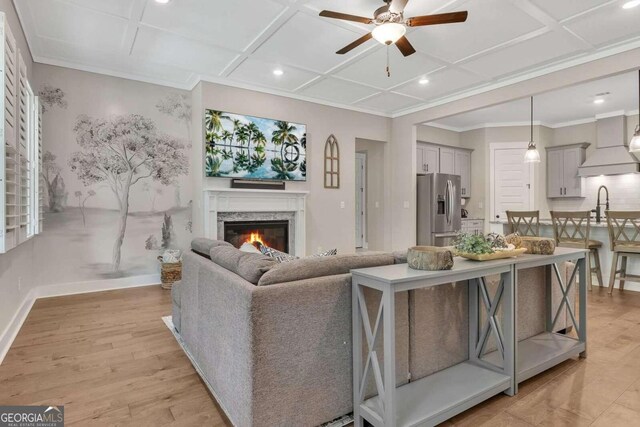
(532,155)
(634,145)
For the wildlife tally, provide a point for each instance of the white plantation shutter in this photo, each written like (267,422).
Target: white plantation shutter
(39,177)
(9,162)
(21,150)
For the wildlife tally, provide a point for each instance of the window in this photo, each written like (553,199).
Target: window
(20,152)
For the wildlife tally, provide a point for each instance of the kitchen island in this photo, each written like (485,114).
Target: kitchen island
(598,232)
(487,369)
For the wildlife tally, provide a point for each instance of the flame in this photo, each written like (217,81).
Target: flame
(255,237)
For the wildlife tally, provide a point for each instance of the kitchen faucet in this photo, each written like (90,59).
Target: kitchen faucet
(598,205)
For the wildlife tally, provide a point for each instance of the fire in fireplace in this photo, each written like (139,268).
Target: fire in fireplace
(274,234)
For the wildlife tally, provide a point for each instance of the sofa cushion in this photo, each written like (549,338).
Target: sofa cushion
(202,246)
(249,266)
(308,268)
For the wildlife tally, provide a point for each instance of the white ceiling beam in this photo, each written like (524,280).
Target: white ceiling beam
(541,16)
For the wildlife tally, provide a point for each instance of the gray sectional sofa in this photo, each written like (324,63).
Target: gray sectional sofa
(273,341)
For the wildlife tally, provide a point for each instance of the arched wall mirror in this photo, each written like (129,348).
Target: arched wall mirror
(331,163)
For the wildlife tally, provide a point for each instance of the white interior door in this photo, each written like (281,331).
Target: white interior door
(361,210)
(511,182)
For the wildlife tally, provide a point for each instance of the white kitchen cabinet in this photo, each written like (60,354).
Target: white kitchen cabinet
(427,157)
(462,167)
(562,170)
(447,160)
(434,158)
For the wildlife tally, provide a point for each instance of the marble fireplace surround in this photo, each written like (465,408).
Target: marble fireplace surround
(230,204)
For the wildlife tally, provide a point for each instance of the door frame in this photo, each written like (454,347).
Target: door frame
(363,198)
(493,146)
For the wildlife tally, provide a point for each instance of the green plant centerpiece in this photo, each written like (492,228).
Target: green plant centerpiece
(472,244)
(484,248)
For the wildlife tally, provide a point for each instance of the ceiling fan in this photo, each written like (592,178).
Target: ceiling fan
(391,25)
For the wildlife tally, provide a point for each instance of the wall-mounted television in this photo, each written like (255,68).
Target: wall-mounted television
(239,146)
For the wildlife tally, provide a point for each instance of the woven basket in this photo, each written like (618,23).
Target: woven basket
(170,272)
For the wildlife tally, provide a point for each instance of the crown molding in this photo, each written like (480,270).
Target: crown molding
(485,125)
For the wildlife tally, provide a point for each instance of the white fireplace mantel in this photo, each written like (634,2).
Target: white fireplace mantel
(246,200)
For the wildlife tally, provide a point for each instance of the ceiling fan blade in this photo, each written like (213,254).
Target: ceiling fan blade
(345,17)
(355,44)
(397,6)
(405,47)
(442,18)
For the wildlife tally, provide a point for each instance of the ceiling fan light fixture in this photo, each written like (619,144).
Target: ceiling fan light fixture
(389,32)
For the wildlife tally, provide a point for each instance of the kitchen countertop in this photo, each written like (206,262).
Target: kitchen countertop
(547,221)
(472,219)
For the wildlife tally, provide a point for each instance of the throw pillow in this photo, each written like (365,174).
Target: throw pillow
(330,252)
(276,254)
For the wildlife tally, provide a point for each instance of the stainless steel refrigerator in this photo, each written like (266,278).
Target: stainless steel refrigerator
(439,214)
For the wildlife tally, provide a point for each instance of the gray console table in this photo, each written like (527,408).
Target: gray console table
(440,396)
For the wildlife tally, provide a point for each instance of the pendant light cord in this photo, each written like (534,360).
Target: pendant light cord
(532,119)
(638,127)
(388,70)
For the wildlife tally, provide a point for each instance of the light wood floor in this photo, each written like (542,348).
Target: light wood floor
(109,358)
(111,361)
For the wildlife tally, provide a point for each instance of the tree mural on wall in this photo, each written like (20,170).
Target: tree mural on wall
(56,192)
(82,201)
(122,151)
(177,105)
(51,97)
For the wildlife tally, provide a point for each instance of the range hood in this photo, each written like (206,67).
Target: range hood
(612,156)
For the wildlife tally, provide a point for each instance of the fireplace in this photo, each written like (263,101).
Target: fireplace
(231,205)
(274,233)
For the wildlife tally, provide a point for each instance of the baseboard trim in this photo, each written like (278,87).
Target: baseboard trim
(64,289)
(77,288)
(11,331)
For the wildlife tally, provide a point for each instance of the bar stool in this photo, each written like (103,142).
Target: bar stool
(572,230)
(525,223)
(624,237)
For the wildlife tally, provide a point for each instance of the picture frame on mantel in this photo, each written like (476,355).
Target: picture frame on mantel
(331,163)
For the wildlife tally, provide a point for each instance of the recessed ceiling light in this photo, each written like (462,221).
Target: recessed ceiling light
(631,4)
(598,101)
(163,1)
(423,81)
(278,72)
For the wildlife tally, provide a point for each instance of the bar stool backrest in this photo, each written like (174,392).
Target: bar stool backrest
(525,223)
(624,230)
(571,228)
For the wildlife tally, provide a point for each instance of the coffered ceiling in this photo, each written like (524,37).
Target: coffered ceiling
(241,43)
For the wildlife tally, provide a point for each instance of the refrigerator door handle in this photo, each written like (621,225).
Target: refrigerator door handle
(449,201)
